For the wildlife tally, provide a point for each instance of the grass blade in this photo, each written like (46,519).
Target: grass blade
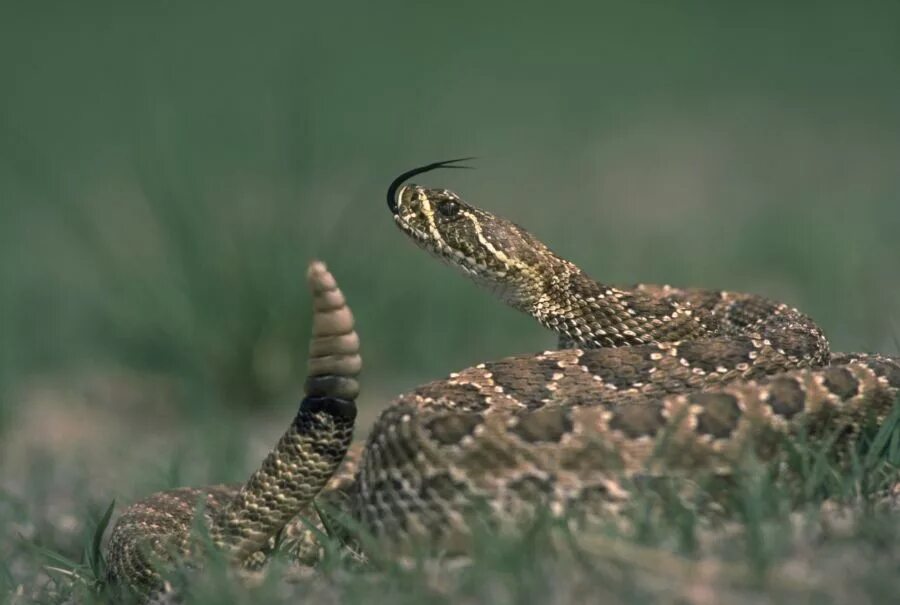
(96,559)
(50,555)
(884,437)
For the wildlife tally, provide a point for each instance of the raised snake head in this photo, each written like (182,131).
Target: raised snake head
(495,252)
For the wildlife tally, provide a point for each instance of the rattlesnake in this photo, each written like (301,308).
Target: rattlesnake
(710,373)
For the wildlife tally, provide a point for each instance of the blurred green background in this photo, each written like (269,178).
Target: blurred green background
(167,169)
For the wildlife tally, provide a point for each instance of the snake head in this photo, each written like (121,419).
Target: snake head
(494,251)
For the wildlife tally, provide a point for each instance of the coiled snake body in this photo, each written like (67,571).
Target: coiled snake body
(714,373)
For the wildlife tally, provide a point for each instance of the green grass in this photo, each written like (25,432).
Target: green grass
(772,540)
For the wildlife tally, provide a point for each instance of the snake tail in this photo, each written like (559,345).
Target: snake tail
(243,519)
(311,449)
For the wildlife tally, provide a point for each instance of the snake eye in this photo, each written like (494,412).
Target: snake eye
(448,208)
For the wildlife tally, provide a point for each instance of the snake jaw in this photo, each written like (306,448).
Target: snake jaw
(431,239)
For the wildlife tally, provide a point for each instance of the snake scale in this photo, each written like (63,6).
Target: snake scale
(711,373)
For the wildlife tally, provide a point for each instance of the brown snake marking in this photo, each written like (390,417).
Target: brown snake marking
(711,374)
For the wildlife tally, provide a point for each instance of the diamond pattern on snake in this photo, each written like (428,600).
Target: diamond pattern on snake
(715,373)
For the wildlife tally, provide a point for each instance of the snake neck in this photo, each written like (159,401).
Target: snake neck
(591,314)
(515,265)
(312,448)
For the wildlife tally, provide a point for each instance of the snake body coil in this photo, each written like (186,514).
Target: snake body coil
(713,373)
